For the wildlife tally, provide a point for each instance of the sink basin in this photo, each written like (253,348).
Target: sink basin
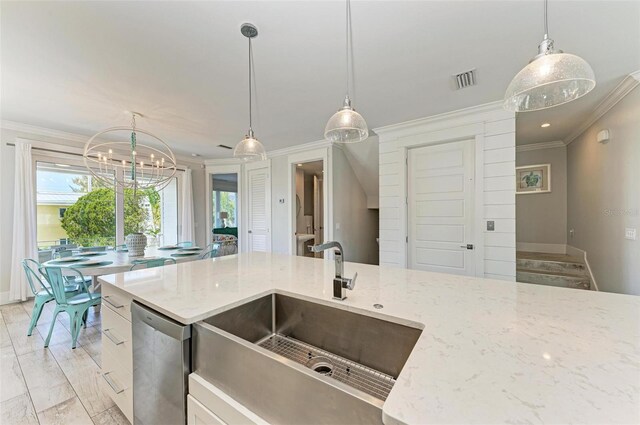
(295,361)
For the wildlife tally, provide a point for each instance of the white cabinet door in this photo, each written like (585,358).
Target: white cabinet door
(259,200)
(441,208)
(197,414)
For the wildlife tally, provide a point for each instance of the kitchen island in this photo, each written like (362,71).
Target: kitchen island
(490,351)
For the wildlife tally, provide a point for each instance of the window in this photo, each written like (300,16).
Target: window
(224,209)
(224,198)
(73,207)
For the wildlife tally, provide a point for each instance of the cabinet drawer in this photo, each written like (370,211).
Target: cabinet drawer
(118,383)
(116,338)
(119,301)
(197,414)
(221,405)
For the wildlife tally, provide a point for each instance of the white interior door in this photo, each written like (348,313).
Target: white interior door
(259,210)
(441,208)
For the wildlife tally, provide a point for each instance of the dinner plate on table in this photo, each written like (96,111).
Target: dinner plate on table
(191,248)
(168,247)
(67,260)
(92,263)
(184,254)
(91,254)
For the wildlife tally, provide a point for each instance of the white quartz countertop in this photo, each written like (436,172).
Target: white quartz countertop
(491,351)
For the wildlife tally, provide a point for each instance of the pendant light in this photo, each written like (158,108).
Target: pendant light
(550,79)
(346,125)
(250,148)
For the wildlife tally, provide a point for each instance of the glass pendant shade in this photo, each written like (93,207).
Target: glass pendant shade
(549,80)
(250,149)
(346,126)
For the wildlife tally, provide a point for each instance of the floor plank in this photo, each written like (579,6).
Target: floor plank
(69,412)
(84,375)
(112,416)
(13,384)
(12,313)
(47,384)
(23,344)
(18,411)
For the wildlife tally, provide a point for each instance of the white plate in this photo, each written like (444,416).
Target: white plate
(89,263)
(67,260)
(90,254)
(167,247)
(191,248)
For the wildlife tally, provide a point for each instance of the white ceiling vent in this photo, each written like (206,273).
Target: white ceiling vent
(465,79)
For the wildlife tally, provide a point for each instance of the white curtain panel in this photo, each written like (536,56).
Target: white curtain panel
(187,229)
(24,222)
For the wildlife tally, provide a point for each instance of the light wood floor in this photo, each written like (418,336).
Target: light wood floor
(55,385)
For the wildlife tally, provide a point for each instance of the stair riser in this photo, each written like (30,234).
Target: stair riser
(552,266)
(551,280)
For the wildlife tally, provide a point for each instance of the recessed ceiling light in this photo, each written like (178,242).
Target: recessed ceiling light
(545,125)
(195,155)
(299,165)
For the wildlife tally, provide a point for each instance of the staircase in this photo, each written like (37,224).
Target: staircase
(552,269)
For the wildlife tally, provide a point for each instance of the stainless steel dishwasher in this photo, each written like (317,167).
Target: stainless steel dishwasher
(161,367)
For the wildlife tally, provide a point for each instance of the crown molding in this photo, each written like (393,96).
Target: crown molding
(77,140)
(493,111)
(542,145)
(318,144)
(616,95)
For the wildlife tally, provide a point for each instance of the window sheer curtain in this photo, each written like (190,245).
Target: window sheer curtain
(24,221)
(187,231)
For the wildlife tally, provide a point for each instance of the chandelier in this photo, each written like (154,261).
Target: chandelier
(130,158)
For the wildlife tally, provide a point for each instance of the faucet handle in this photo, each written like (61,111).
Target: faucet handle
(351,283)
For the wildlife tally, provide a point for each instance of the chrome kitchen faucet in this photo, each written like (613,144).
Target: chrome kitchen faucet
(340,283)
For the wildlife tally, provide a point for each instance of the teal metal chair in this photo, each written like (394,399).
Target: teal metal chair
(147,264)
(93,249)
(63,253)
(42,292)
(209,253)
(186,244)
(75,306)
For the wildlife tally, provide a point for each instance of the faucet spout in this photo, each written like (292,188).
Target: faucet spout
(340,284)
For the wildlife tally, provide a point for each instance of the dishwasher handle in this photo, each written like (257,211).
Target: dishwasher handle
(159,322)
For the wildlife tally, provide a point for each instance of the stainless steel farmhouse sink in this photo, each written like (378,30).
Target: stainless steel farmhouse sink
(295,361)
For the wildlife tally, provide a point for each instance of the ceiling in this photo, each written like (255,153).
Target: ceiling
(76,66)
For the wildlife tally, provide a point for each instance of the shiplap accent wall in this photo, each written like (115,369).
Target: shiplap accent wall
(493,130)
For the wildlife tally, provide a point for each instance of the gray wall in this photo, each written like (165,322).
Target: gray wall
(604,196)
(358,226)
(542,218)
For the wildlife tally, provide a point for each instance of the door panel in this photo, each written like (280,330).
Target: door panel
(441,208)
(259,238)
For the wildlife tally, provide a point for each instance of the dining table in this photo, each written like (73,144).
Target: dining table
(99,263)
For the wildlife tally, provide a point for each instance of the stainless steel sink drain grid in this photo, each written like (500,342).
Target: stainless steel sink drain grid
(370,381)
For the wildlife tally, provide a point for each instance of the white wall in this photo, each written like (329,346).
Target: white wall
(493,129)
(355,226)
(603,185)
(541,218)
(280,203)
(73,142)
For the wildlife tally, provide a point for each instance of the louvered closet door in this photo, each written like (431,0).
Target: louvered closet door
(259,236)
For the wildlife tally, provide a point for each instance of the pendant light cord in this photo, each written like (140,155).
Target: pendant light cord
(348,39)
(546,23)
(250,116)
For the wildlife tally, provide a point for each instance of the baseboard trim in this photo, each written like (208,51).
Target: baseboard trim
(577,252)
(549,248)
